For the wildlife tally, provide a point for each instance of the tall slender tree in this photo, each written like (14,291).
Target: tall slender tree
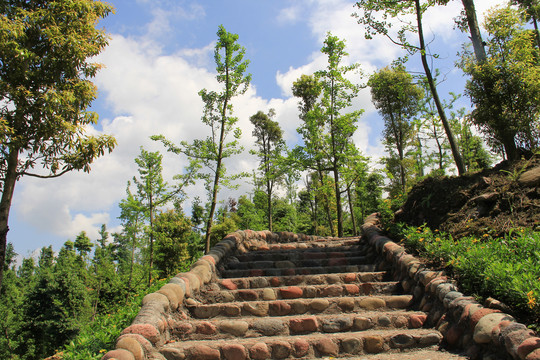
(506,87)
(337,95)
(269,140)
(474,29)
(212,151)
(397,98)
(532,10)
(308,156)
(153,192)
(45,92)
(375,24)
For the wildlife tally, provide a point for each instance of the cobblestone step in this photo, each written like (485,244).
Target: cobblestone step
(310,253)
(312,244)
(302,291)
(294,325)
(413,354)
(340,259)
(317,279)
(300,271)
(314,346)
(329,305)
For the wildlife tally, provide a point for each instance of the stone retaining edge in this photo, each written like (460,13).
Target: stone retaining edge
(482,332)
(149,330)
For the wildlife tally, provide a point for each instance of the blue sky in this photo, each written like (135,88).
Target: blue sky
(161,54)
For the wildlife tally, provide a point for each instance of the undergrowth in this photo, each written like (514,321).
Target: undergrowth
(99,336)
(507,269)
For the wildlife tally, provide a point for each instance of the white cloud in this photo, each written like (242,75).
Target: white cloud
(289,15)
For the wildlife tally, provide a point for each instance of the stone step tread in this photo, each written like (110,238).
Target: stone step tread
(318,243)
(300,291)
(288,263)
(310,346)
(314,251)
(298,324)
(298,306)
(299,271)
(410,355)
(308,246)
(291,280)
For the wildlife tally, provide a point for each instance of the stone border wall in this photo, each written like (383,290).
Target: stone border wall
(161,309)
(482,332)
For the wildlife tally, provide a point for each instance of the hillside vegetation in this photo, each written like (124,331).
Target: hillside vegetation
(484,229)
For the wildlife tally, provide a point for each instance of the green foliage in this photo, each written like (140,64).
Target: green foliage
(172,232)
(99,336)
(285,216)
(507,268)
(210,152)
(45,90)
(378,18)
(397,99)
(369,189)
(269,140)
(327,129)
(56,303)
(227,225)
(475,155)
(506,88)
(251,216)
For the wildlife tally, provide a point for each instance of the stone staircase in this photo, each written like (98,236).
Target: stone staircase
(320,298)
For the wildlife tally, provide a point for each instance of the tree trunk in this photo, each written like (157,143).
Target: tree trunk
(510,147)
(420,160)
(535,23)
(326,204)
(338,202)
(476,36)
(130,280)
(151,262)
(453,145)
(5,205)
(351,209)
(269,188)
(402,171)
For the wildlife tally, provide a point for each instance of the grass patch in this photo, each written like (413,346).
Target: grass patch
(99,336)
(507,269)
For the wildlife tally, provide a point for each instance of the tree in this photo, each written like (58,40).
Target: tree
(397,99)
(369,193)
(250,216)
(532,11)
(308,156)
(45,91)
(474,29)
(337,94)
(326,130)
(475,156)
(172,231)
(83,245)
(55,305)
(380,25)
(505,88)
(132,219)
(212,151)
(269,139)
(153,192)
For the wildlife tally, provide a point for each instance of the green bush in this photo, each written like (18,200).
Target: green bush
(99,336)
(505,268)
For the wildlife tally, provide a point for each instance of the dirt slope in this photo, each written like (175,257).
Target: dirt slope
(492,201)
